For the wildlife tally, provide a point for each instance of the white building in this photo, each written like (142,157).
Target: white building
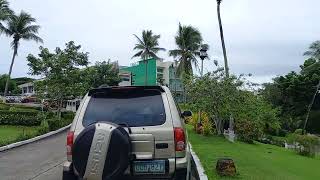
(27,89)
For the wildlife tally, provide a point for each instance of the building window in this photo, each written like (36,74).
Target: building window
(160,70)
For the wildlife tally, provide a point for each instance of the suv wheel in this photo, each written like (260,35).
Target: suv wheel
(181,174)
(69,175)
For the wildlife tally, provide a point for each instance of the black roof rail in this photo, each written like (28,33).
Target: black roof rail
(107,89)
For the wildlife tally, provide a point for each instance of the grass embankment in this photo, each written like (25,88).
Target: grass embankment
(254,161)
(10,134)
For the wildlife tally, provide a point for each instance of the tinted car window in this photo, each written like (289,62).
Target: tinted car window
(133,108)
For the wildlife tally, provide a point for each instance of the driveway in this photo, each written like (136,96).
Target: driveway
(41,160)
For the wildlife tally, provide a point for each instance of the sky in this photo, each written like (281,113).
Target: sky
(265,38)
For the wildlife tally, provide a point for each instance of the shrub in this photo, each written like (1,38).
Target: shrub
(298,131)
(282,133)
(307,144)
(194,120)
(44,127)
(3,106)
(248,131)
(25,118)
(206,124)
(68,115)
(54,123)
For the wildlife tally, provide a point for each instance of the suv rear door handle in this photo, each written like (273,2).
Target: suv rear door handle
(162,145)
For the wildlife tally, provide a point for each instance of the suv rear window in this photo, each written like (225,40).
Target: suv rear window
(128,107)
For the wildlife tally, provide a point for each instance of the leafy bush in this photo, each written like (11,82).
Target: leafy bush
(68,115)
(194,121)
(4,106)
(298,131)
(23,109)
(206,124)
(248,131)
(26,118)
(44,127)
(307,144)
(282,133)
(54,123)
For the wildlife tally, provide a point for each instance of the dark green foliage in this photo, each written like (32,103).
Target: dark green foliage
(292,93)
(56,123)
(61,70)
(102,73)
(12,84)
(68,115)
(308,144)
(26,118)
(43,128)
(22,80)
(248,131)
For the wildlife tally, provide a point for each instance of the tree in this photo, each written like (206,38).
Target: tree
(12,85)
(60,71)
(5,12)
(295,94)
(20,27)
(314,52)
(148,47)
(226,67)
(220,96)
(188,41)
(102,73)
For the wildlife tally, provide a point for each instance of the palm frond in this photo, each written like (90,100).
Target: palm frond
(175,53)
(140,41)
(31,29)
(33,37)
(4,30)
(137,54)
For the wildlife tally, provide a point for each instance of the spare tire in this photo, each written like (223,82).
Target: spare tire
(101,151)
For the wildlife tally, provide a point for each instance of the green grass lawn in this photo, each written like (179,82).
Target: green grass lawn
(10,133)
(257,161)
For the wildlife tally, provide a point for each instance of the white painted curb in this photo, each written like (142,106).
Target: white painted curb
(200,170)
(20,143)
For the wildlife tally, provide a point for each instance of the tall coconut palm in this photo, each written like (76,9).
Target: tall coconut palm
(188,40)
(226,66)
(5,11)
(20,27)
(148,47)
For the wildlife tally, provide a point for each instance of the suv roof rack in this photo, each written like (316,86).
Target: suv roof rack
(106,89)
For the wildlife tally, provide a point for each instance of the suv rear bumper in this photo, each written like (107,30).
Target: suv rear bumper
(175,165)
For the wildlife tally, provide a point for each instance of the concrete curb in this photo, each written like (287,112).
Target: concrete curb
(200,170)
(20,143)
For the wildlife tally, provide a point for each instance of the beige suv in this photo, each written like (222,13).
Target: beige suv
(148,116)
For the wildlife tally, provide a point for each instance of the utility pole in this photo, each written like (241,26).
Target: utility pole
(309,108)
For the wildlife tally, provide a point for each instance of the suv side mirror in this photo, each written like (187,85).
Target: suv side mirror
(186,113)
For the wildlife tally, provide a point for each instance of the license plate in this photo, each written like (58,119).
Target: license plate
(149,167)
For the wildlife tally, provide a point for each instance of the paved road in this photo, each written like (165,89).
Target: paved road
(41,160)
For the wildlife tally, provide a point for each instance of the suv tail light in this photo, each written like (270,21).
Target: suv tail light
(70,137)
(179,139)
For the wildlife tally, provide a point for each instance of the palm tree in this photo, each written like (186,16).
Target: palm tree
(5,11)
(20,27)
(147,47)
(222,39)
(188,40)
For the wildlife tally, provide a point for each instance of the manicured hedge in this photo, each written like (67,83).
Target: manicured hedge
(24,118)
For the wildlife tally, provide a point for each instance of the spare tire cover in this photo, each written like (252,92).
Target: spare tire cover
(101,151)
